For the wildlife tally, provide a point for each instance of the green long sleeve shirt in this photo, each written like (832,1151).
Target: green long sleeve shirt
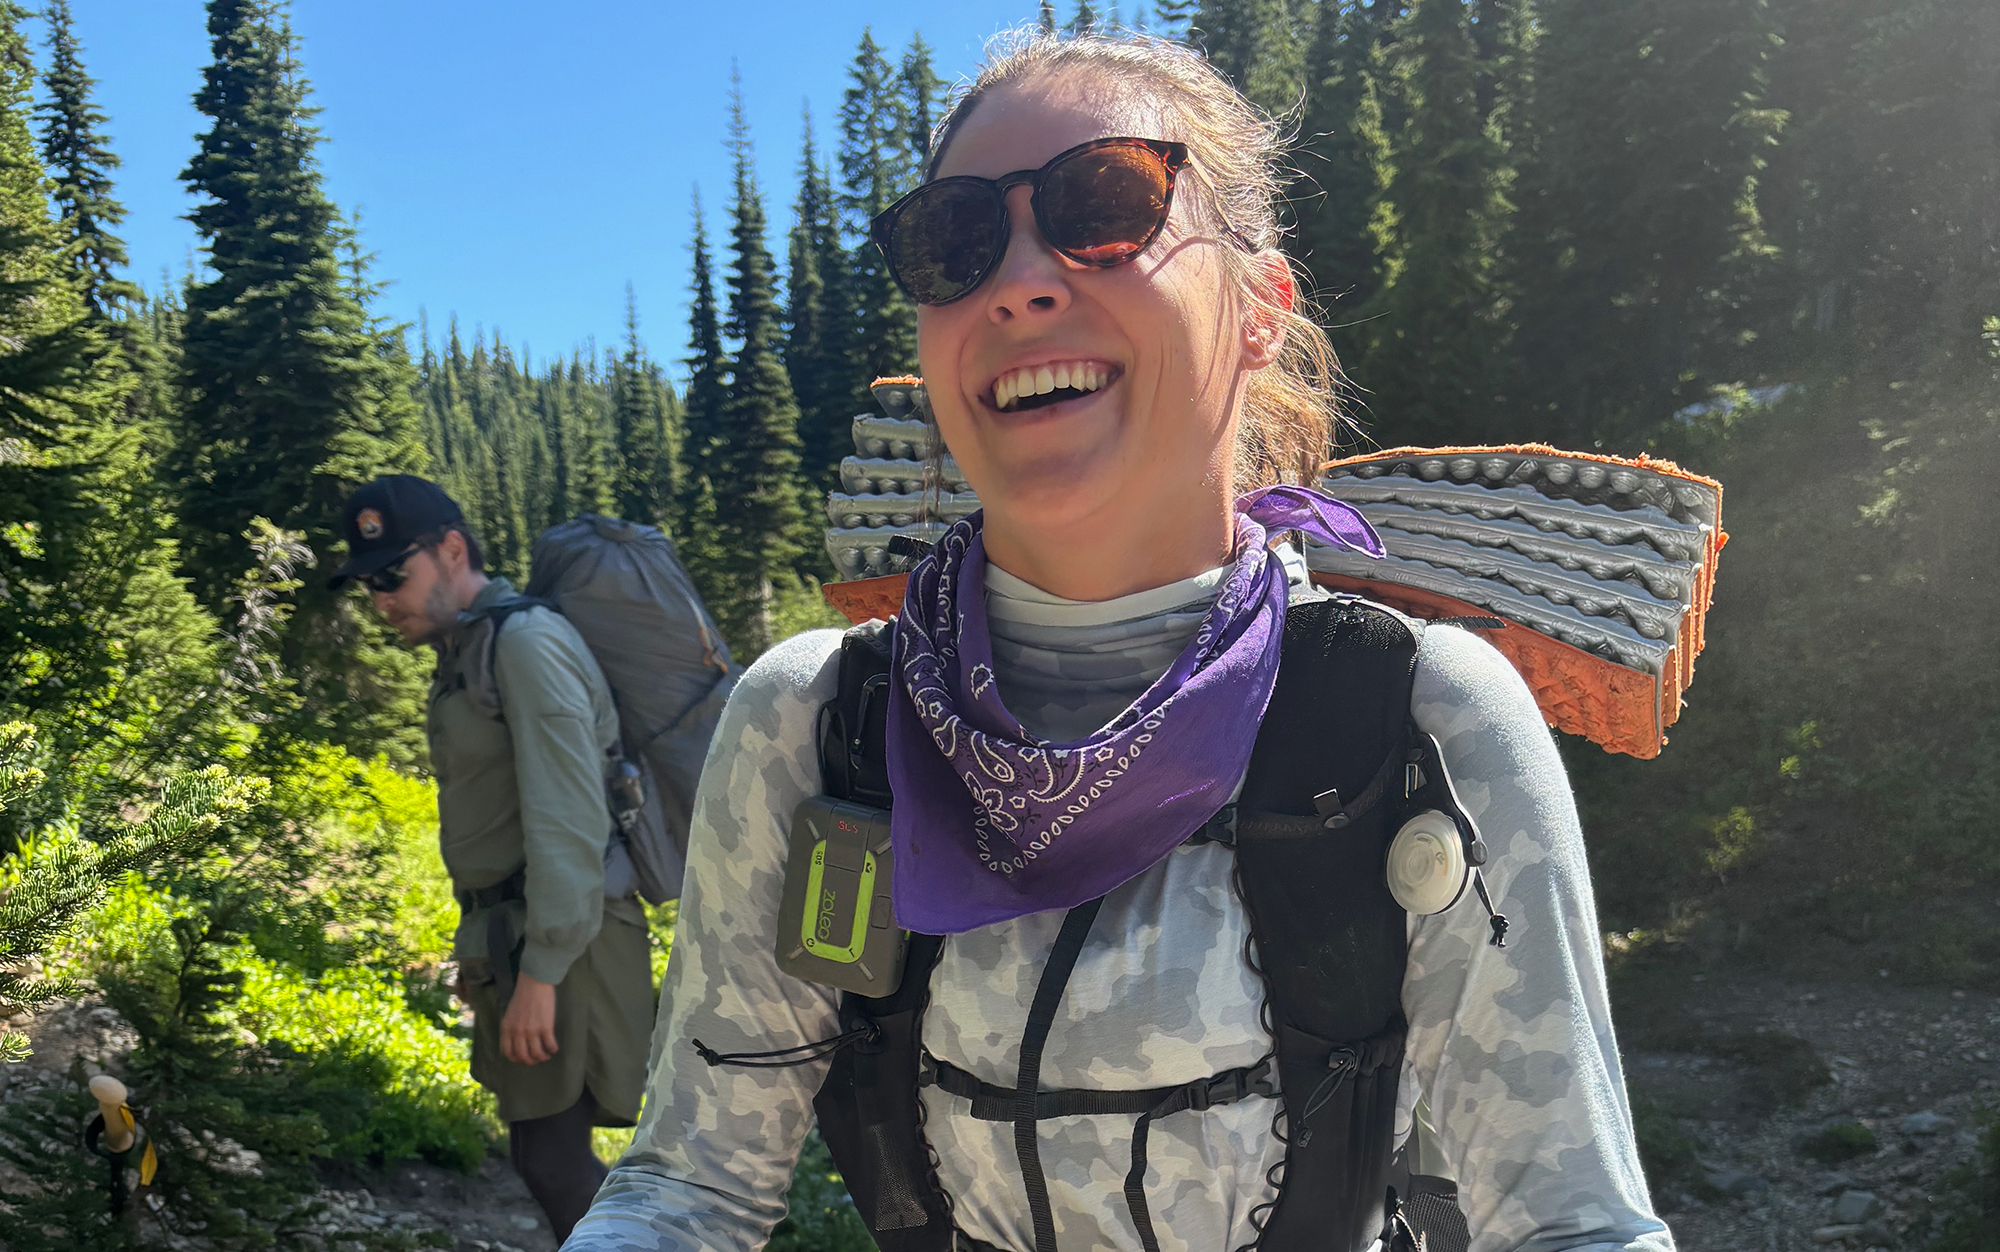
(527,788)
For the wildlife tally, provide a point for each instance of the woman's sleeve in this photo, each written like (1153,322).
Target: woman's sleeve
(713,1155)
(1513,1046)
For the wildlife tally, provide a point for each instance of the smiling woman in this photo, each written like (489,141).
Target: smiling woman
(1187,970)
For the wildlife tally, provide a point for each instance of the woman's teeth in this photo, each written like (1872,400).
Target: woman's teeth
(1024,388)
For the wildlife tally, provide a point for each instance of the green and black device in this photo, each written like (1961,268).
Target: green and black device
(835,926)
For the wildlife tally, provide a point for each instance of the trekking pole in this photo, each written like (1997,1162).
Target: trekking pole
(116,1135)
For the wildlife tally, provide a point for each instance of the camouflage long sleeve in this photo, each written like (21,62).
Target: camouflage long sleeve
(1513,1047)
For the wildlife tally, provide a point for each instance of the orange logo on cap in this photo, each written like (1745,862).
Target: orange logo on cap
(369,523)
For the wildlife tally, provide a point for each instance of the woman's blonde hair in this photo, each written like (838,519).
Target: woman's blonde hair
(1291,408)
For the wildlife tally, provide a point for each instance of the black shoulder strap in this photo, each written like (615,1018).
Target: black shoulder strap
(868,1107)
(1313,827)
(854,728)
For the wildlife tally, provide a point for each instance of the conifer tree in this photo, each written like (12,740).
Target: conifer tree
(816,355)
(1342,216)
(80,161)
(292,396)
(757,491)
(875,169)
(707,367)
(65,471)
(1260,44)
(1175,18)
(923,96)
(1084,20)
(1640,236)
(646,427)
(1434,360)
(701,453)
(1046,17)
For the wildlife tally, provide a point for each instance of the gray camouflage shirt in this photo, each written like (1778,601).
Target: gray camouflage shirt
(1511,1049)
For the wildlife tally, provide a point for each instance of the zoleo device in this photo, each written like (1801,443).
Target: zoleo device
(835,925)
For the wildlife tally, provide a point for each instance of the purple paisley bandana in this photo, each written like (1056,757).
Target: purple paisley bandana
(991,823)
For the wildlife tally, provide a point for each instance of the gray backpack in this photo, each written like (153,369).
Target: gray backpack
(623,588)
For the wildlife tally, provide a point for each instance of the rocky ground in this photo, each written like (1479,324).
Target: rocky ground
(1724,1064)
(1738,1071)
(490,1211)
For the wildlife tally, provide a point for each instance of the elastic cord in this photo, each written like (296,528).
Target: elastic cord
(803,1054)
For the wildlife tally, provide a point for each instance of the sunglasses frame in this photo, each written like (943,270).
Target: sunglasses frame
(394,567)
(1173,158)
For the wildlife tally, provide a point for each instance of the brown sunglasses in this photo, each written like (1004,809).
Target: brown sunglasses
(1100,203)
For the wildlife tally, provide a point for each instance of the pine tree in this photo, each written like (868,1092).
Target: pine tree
(701,453)
(815,343)
(1084,20)
(1046,17)
(646,428)
(1435,359)
(1260,44)
(1342,216)
(1175,18)
(80,162)
(923,102)
(757,492)
(707,367)
(875,169)
(1640,241)
(68,473)
(293,396)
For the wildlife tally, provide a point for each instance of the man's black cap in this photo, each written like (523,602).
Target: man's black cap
(385,517)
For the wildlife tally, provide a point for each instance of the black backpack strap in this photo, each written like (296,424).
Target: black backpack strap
(854,727)
(869,1110)
(1313,826)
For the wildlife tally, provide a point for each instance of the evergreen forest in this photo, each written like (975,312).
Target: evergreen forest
(1759,237)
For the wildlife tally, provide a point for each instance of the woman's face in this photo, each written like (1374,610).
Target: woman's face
(1161,334)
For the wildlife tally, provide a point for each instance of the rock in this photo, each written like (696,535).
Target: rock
(1837,1234)
(1926,1123)
(1910,1171)
(1837,1182)
(480,1245)
(1851,1208)
(1731,1181)
(524,1223)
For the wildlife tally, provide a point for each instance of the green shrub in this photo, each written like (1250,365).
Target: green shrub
(1666,1152)
(385,1083)
(1972,1215)
(1840,1141)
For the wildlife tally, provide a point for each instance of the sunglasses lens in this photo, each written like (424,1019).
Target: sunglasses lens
(1104,205)
(945,239)
(388,578)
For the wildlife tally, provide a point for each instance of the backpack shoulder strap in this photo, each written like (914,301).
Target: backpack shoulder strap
(481,683)
(867,1109)
(854,727)
(1313,827)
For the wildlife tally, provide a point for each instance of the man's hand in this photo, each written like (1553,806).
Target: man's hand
(528,1031)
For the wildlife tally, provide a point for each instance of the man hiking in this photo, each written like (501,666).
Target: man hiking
(551,943)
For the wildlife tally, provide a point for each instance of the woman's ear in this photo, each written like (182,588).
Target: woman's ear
(1273,291)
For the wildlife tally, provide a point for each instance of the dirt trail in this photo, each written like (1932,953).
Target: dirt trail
(1894,1054)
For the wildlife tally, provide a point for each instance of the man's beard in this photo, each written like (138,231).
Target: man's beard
(440,615)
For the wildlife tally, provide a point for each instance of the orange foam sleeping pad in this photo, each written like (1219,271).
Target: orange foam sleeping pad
(1619,709)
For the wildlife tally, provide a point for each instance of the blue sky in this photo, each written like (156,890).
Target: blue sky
(515,164)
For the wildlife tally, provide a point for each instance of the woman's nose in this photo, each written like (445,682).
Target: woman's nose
(1032,277)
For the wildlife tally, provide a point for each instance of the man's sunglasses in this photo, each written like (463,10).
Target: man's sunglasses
(391,576)
(1100,203)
